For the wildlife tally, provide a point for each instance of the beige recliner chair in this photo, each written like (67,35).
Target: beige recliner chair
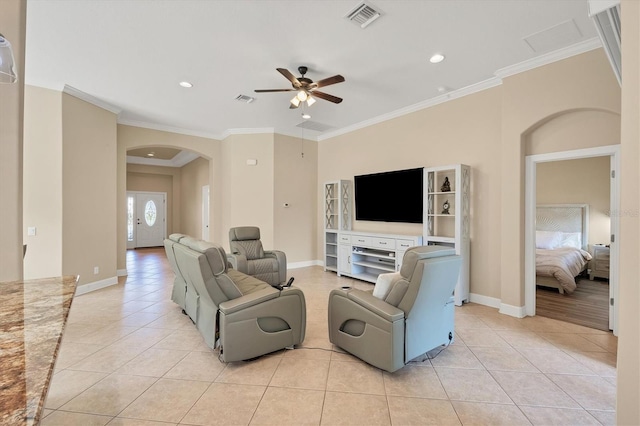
(412,316)
(179,292)
(248,256)
(248,316)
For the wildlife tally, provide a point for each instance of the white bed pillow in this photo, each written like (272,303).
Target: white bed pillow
(547,240)
(570,239)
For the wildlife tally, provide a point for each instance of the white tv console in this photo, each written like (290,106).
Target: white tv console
(365,255)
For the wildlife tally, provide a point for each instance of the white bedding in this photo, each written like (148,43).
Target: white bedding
(563,263)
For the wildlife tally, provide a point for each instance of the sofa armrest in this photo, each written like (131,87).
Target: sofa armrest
(281,258)
(375,305)
(238,262)
(243,302)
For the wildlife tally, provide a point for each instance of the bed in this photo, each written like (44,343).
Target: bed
(561,245)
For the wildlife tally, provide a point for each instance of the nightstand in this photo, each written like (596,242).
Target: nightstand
(599,264)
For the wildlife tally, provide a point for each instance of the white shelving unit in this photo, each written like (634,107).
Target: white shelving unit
(364,256)
(337,217)
(450,227)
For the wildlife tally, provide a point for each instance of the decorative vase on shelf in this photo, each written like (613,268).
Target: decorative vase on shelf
(446,186)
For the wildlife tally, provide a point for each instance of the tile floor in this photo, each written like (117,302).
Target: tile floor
(130,357)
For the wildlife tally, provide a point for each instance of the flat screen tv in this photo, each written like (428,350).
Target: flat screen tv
(394,196)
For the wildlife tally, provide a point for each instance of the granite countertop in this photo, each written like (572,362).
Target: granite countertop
(33,314)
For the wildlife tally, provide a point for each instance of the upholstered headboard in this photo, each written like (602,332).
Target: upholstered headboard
(564,218)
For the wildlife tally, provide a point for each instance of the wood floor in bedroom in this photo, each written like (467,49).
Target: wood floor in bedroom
(587,305)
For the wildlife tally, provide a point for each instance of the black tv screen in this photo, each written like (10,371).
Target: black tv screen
(389,196)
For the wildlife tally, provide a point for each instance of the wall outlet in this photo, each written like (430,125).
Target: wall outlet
(96,270)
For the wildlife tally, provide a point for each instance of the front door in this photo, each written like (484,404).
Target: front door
(148,219)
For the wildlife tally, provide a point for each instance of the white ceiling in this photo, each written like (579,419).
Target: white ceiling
(131,54)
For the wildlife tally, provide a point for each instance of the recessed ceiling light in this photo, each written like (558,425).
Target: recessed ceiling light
(151,154)
(306,116)
(185,84)
(438,57)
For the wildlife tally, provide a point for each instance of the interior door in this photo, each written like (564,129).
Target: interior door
(205,212)
(150,219)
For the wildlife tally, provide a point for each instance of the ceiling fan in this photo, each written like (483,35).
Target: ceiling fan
(306,87)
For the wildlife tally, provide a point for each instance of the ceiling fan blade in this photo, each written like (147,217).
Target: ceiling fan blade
(292,78)
(329,80)
(274,90)
(326,97)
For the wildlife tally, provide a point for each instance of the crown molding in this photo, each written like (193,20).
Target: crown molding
(69,90)
(170,129)
(548,58)
(247,131)
(455,94)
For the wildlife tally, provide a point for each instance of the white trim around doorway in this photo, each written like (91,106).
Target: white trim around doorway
(531,162)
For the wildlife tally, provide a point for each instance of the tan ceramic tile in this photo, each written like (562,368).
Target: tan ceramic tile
(414,380)
(418,411)
(139,319)
(119,421)
(304,352)
(172,320)
(545,325)
(545,416)
(257,372)
(607,418)
(225,404)
(479,413)
(471,385)
(338,354)
(454,357)
(144,337)
(68,384)
(301,373)
(64,418)
(355,409)
(573,342)
(152,362)
(591,392)
(166,400)
(524,339)
(555,361)
(605,341)
(601,363)
(481,337)
(317,335)
(106,335)
(187,340)
(109,396)
(107,360)
(468,322)
(533,389)
(507,359)
(72,353)
(201,366)
(497,321)
(355,377)
(281,406)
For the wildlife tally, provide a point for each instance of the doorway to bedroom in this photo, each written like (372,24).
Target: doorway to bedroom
(581,288)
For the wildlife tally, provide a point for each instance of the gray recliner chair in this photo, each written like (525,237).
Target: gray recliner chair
(414,315)
(248,256)
(179,291)
(247,317)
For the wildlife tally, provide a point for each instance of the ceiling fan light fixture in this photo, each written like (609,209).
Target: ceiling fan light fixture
(306,116)
(302,96)
(310,101)
(295,101)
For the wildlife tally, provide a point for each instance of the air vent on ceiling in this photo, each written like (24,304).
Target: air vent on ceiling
(606,17)
(314,125)
(363,15)
(245,98)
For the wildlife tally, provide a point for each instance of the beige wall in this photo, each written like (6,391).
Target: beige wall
(529,100)
(466,130)
(296,183)
(249,195)
(195,175)
(13,27)
(628,386)
(89,176)
(42,204)
(159,179)
(584,181)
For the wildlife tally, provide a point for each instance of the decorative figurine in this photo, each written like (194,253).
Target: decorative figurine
(446,187)
(445,207)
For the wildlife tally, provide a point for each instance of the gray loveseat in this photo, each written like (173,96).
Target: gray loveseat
(245,316)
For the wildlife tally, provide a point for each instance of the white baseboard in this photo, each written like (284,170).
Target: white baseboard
(484,300)
(96,285)
(304,264)
(514,311)
(121,272)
